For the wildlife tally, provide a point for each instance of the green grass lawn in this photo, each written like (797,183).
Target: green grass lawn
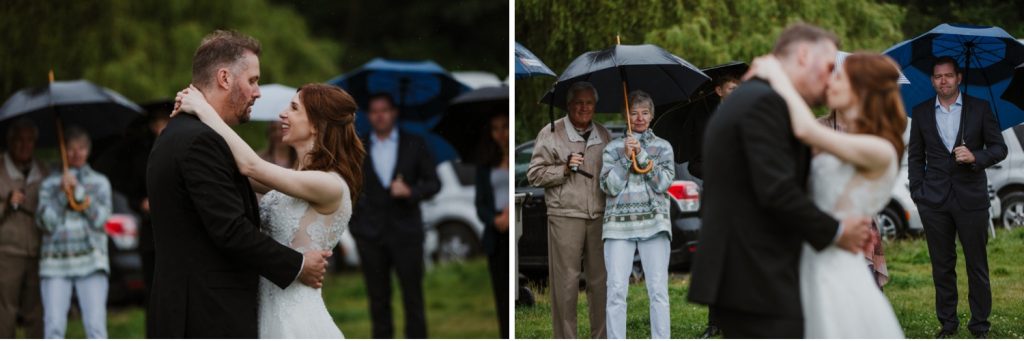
(459,302)
(910,291)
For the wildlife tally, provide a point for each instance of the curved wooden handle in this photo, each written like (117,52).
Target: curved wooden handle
(636,166)
(74,204)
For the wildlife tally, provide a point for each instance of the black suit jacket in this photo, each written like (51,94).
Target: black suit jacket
(933,170)
(756,210)
(377,214)
(209,250)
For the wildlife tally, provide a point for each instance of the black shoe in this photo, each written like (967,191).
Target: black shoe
(711,332)
(980,335)
(945,334)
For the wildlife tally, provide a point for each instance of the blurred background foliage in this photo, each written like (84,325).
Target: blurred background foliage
(712,32)
(143,49)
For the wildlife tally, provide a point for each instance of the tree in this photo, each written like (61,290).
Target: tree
(704,32)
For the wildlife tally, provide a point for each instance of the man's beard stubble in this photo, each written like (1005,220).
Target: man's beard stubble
(240,105)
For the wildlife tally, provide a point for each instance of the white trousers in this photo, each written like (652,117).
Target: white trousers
(618,260)
(92,300)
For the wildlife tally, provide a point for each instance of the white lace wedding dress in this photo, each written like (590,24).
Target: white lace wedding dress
(298,311)
(839,295)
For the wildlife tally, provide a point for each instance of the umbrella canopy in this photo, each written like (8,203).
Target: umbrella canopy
(528,65)
(987,56)
(100,111)
(421,89)
(666,77)
(274,98)
(466,122)
(1015,91)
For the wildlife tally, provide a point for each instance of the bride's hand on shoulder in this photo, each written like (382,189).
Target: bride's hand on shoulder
(766,67)
(191,101)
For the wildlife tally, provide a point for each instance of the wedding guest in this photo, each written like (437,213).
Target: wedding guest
(953,139)
(277,152)
(74,250)
(20,176)
(492,207)
(636,217)
(563,162)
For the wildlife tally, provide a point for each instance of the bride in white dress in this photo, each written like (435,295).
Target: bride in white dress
(306,208)
(851,175)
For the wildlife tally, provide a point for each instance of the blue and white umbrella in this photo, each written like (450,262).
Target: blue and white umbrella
(528,65)
(986,55)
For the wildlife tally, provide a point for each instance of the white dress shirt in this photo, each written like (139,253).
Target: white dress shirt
(385,155)
(948,121)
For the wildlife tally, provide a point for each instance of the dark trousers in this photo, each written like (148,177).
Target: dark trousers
(941,227)
(148,264)
(20,296)
(406,257)
(498,264)
(744,325)
(712,317)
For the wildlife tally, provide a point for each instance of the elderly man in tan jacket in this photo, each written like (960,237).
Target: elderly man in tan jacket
(564,162)
(20,176)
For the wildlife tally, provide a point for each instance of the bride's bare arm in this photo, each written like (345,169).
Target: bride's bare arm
(321,189)
(258,187)
(870,154)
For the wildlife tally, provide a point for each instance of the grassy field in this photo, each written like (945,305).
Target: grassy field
(910,291)
(459,302)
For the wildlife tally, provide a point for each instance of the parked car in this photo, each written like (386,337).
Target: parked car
(533,252)
(1007,180)
(126,282)
(452,229)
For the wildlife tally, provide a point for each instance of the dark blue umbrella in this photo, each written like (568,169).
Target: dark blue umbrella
(421,89)
(987,56)
(1015,91)
(528,65)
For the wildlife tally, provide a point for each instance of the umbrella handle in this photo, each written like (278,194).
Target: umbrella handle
(74,204)
(629,132)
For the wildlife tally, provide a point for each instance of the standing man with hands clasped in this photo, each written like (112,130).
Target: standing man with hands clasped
(565,163)
(387,224)
(953,138)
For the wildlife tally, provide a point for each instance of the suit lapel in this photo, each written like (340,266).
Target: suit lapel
(402,149)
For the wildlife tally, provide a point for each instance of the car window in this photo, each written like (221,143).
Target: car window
(1019,131)
(523,154)
(466,172)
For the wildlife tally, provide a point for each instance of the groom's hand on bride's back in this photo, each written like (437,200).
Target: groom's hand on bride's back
(856,234)
(314,265)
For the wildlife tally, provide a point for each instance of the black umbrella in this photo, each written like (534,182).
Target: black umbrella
(100,111)
(465,123)
(682,123)
(666,77)
(1015,91)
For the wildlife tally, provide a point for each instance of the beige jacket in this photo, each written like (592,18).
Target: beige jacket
(572,195)
(19,235)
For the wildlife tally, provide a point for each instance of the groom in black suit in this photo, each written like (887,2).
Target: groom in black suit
(209,250)
(757,212)
(953,138)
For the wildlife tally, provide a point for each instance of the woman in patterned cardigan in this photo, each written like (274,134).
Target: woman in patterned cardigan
(636,217)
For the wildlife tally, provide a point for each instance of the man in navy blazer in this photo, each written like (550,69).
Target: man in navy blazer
(953,138)
(387,223)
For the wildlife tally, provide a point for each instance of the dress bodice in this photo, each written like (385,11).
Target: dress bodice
(838,189)
(292,222)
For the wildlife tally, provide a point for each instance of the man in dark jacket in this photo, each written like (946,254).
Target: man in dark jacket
(953,138)
(387,224)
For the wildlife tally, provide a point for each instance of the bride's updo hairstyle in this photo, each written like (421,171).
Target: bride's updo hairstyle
(873,78)
(336,147)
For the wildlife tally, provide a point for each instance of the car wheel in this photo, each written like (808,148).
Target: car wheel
(1013,210)
(456,242)
(525,297)
(890,224)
